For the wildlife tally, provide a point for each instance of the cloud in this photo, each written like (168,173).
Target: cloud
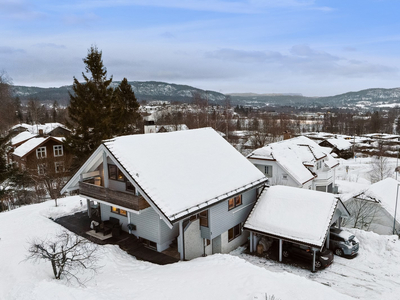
(83,19)
(50,45)
(167,35)
(222,6)
(306,52)
(349,49)
(10,50)
(20,10)
(243,56)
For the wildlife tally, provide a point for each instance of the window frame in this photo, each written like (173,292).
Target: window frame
(234,232)
(235,202)
(41,150)
(58,150)
(119,211)
(129,187)
(58,164)
(268,171)
(41,169)
(203,216)
(115,175)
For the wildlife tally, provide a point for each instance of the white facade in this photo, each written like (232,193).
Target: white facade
(298,162)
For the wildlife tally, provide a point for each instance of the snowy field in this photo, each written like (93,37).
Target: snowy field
(373,274)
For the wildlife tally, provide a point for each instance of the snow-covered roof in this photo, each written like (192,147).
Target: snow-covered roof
(299,215)
(170,128)
(384,191)
(34,129)
(293,154)
(31,144)
(21,137)
(185,171)
(340,143)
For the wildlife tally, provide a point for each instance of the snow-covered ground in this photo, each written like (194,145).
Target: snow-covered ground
(124,277)
(373,274)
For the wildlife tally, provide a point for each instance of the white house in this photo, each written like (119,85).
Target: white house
(376,208)
(188,186)
(297,162)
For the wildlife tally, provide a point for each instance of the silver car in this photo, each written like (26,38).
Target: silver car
(343,243)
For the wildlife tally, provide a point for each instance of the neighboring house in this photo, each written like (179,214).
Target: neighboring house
(150,127)
(341,147)
(374,209)
(297,162)
(47,129)
(191,187)
(295,215)
(40,153)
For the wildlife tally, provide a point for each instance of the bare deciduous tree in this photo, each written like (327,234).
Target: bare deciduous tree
(380,168)
(362,213)
(68,253)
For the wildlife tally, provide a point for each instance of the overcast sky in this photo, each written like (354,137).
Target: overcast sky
(315,48)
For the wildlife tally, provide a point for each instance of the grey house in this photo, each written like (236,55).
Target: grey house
(186,187)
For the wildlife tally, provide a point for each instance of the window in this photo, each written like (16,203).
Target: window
(130,187)
(112,172)
(41,152)
(41,169)
(204,218)
(115,173)
(268,171)
(234,232)
(284,176)
(234,202)
(59,166)
(118,211)
(58,150)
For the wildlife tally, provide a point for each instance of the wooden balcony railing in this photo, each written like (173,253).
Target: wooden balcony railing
(113,197)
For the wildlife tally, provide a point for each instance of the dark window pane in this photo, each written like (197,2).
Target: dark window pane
(112,172)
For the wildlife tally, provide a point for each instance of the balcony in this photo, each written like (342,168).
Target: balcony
(324,175)
(122,199)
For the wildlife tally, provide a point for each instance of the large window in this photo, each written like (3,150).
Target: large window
(234,202)
(41,152)
(234,232)
(115,173)
(58,150)
(118,211)
(204,218)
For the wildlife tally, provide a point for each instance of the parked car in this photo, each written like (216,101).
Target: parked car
(323,258)
(343,243)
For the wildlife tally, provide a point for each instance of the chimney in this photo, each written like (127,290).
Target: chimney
(287,135)
(40,132)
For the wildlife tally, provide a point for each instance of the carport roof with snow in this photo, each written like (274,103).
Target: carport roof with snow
(298,215)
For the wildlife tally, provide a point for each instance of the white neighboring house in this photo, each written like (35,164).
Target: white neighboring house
(297,162)
(191,186)
(374,209)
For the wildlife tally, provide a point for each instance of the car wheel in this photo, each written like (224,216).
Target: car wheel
(339,252)
(318,264)
(285,253)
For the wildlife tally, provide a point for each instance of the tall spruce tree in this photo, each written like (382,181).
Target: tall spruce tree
(97,111)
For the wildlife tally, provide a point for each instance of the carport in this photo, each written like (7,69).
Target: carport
(295,215)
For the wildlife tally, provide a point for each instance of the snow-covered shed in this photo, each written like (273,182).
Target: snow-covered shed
(376,208)
(190,184)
